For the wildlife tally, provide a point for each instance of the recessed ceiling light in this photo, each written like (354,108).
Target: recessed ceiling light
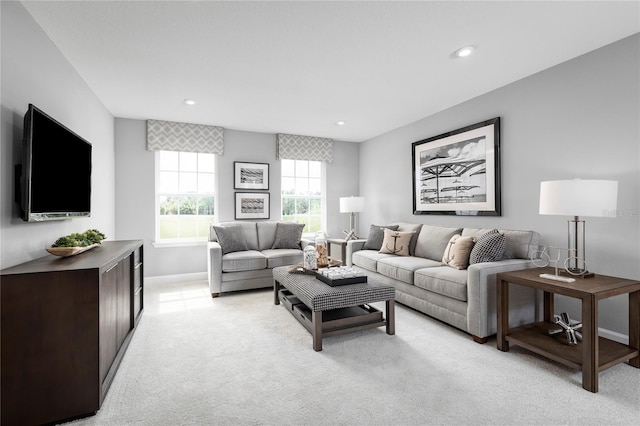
(189,102)
(340,123)
(465,51)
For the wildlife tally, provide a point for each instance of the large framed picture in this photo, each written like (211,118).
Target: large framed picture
(252,205)
(458,173)
(250,175)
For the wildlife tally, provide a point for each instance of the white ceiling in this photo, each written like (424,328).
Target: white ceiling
(299,67)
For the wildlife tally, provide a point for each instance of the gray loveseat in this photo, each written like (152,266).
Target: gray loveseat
(243,255)
(463,298)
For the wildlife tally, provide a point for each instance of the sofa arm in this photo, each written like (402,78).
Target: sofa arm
(305,242)
(482,318)
(352,247)
(214,267)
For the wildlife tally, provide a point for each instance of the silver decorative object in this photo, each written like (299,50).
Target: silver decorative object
(567,326)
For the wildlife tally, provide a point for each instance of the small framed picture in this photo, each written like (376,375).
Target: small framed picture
(250,175)
(252,205)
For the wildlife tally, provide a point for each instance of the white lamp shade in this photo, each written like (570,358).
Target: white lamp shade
(578,197)
(351,204)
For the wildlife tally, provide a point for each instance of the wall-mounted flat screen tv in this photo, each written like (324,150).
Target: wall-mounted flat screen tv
(56,170)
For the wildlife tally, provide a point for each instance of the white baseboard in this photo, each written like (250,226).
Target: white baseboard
(613,335)
(170,279)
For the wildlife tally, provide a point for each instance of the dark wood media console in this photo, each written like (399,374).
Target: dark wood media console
(66,324)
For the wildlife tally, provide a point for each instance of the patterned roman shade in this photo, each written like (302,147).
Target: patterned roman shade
(172,136)
(296,147)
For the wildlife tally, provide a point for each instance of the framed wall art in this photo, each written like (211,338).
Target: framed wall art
(250,175)
(458,173)
(252,205)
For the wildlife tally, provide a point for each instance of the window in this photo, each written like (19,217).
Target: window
(185,195)
(302,193)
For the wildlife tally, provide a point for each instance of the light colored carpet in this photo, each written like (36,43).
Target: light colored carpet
(240,359)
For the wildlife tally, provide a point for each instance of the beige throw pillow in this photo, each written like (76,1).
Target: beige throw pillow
(457,252)
(396,242)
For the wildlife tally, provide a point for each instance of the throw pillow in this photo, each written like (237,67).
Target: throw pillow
(396,242)
(458,250)
(288,236)
(376,235)
(231,238)
(489,248)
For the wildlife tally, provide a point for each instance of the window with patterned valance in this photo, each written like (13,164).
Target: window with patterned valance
(184,137)
(297,147)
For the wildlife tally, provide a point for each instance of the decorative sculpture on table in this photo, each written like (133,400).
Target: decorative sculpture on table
(569,327)
(542,258)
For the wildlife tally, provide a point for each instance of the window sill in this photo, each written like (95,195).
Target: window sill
(172,244)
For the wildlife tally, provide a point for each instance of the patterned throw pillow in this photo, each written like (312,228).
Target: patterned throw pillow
(376,235)
(489,248)
(288,236)
(457,252)
(231,238)
(396,242)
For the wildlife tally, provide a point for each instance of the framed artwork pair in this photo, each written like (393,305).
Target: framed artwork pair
(251,177)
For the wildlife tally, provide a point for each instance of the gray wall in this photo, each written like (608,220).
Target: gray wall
(578,119)
(135,187)
(34,71)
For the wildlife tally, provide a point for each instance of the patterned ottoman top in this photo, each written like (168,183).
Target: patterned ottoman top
(319,296)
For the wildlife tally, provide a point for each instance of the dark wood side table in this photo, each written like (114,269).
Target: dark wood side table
(342,243)
(593,354)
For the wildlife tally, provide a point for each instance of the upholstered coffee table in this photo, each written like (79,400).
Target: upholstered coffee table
(327,311)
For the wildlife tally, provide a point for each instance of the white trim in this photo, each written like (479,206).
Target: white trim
(171,279)
(613,335)
(169,244)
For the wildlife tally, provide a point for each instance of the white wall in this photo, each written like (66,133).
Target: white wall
(577,119)
(135,187)
(34,71)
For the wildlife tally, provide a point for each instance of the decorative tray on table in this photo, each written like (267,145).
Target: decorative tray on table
(298,268)
(342,275)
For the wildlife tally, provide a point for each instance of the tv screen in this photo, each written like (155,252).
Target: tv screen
(56,170)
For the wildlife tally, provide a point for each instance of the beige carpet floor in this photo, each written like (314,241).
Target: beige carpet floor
(241,360)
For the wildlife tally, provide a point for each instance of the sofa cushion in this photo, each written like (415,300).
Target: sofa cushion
(519,244)
(281,257)
(396,242)
(376,236)
(402,267)
(432,241)
(288,235)
(368,259)
(243,261)
(410,227)
(443,280)
(488,248)
(231,238)
(248,228)
(457,252)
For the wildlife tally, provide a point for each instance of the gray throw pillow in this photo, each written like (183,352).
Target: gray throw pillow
(376,236)
(489,248)
(288,236)
(231,238)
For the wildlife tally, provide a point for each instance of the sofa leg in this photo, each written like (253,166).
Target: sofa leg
(480,340)
(214,295)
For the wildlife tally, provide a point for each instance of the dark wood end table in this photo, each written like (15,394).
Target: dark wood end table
(594,353)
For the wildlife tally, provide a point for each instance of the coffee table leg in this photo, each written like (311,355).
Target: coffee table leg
(316,320)
(276,287)
(391,316)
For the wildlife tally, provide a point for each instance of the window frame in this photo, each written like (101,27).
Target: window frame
(323,195)
(181,241)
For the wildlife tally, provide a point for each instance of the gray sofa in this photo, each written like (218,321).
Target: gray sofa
(256,248)
(463,298)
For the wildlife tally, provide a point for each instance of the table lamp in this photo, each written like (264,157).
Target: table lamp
(578,197)
(351,205)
